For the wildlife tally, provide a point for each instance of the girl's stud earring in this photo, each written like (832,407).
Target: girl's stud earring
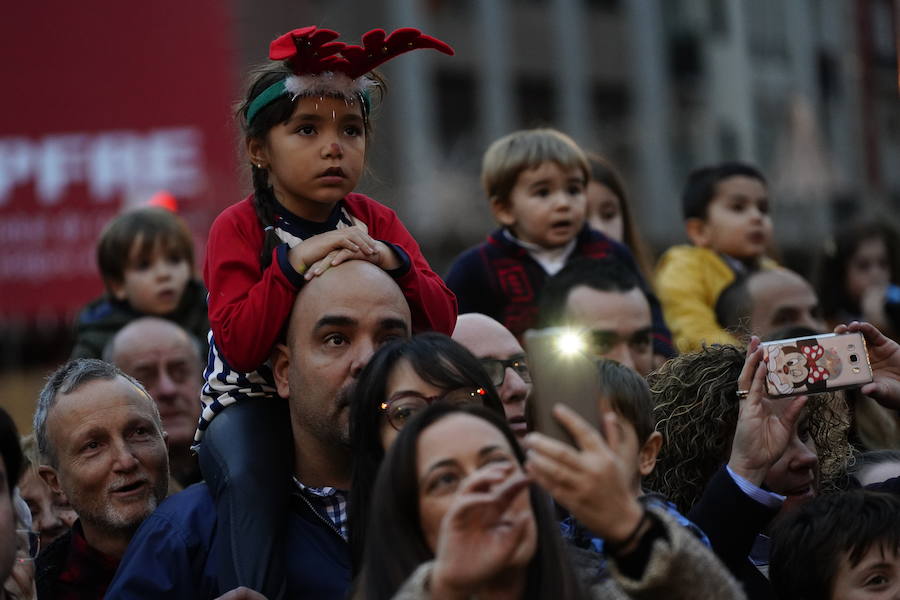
(259,165)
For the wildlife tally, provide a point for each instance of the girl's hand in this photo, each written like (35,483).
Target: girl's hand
(481,531)
(765,425)
(884,356)
(590,481)
(308,256)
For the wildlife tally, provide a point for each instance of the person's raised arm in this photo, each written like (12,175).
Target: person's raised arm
(884,356)
(765,425)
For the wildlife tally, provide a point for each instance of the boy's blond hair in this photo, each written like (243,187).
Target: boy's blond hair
(527,149)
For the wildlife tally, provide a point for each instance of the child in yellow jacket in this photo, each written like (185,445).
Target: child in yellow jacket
(726,216)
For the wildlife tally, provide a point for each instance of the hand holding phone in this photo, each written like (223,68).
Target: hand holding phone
(816,364)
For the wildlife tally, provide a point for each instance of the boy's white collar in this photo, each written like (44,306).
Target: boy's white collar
(551,259)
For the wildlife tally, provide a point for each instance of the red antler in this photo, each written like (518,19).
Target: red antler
(378,49)
(309,50)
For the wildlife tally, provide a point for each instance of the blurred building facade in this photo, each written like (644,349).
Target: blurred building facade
(805,89)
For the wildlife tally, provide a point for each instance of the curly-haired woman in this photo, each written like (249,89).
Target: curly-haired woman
(733,458)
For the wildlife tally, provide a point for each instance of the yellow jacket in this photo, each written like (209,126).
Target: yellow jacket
(689,280)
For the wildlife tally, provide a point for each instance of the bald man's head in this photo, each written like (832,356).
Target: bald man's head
(769,301)
(338,321)
(503,357)
(166,360)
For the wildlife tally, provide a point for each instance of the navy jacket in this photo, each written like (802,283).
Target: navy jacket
(172,556)
(733,520)
(500,279)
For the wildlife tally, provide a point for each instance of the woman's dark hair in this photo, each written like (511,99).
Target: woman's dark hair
(10,450)
(831,276)
(810,543)
(396,546)
(274,113)
(435,358)
(604,173)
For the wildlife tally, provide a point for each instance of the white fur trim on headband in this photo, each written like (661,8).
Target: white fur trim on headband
(327,83)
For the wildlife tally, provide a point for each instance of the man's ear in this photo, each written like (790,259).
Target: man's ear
(698,232)
(281,363)
(51,478)
(501,211)
(256,150)
(648,453)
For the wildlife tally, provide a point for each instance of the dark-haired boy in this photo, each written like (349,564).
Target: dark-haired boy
(726,216)
(146,260)
(839,547)
(624,392)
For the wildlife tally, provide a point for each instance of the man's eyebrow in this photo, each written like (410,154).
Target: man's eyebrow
(393,323)
(335,321)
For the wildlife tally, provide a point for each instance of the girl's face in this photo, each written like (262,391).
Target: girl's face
(867,268)
(453,449)
(605,211)
(316,157)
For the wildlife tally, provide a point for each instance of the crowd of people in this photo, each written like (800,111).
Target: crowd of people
(323,416)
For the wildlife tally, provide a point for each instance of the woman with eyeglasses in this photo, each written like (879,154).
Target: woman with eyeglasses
(400,380)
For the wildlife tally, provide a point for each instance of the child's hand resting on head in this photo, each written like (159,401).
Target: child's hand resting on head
(313,256)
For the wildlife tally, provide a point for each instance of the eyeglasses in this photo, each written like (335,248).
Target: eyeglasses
(400,409)
(27,545)
(496,368)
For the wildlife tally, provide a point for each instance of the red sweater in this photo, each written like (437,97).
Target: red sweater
(248,307)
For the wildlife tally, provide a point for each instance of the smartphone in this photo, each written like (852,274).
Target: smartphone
(816,364)
(562,370)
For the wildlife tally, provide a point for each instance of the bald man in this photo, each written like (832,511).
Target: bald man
(165,358)
(338,321)
(769,301)
(503,358)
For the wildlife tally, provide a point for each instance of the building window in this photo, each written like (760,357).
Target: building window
(536,98)
(457,110)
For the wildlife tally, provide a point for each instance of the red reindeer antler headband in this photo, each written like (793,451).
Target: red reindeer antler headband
(323,66)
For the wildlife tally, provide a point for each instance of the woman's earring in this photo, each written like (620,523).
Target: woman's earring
(259,165)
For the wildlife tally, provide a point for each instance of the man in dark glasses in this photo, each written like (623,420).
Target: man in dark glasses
(503,358)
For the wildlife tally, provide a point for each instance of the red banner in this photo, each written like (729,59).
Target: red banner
(105,104)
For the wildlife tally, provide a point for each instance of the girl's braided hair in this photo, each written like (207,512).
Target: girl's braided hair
(272,114)
(696,411)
